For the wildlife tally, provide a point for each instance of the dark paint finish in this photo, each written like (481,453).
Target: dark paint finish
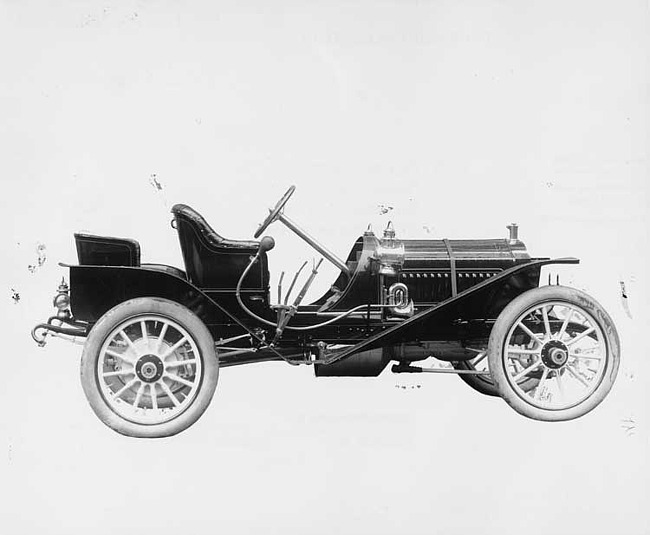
(486,274)
(96,289)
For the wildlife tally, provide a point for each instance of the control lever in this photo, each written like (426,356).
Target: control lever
(314,272)
(285,312)
(280,287)
(266,244)
(295,278)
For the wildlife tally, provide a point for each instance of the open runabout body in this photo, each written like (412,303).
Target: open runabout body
(155,336)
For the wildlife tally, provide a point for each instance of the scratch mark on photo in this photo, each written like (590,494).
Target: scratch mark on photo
(40,258)
(153,180)
(384,208)
(629,425)
(624,299)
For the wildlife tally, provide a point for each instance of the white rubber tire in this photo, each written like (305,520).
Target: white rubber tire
(175,314)
(511,314)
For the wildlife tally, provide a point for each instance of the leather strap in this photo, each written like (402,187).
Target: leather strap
(452,261)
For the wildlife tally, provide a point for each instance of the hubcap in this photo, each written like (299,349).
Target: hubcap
(555,354)
(149,368)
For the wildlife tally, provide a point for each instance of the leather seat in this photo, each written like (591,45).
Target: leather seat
(212,261)
(207,232)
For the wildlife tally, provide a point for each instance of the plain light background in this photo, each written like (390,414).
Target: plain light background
(454,118)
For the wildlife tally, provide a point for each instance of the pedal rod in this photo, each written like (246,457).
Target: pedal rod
(406,368)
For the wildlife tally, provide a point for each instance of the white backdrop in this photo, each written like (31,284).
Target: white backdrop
(456,117)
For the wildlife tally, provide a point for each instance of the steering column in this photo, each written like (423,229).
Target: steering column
(277,214)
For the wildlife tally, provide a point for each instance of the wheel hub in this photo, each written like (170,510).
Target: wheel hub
(149,368)
(555,354)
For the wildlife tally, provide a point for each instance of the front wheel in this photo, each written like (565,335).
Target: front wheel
(564,340)
(149,368)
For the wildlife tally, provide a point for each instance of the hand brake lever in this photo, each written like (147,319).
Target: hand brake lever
(293,282)
(285,313)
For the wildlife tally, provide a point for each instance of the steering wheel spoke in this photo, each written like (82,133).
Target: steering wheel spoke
(274,212)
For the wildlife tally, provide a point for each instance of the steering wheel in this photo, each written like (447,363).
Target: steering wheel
(275,212)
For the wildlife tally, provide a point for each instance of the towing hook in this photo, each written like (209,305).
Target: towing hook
(40,340)
(68,329)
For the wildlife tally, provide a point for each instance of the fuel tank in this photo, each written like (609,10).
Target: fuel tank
(494,253)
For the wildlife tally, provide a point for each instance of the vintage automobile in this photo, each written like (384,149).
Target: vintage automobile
(156,336)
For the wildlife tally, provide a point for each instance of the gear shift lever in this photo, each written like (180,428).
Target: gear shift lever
(266,244)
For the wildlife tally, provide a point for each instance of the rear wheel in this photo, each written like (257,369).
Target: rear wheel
(565,340)
(149,368)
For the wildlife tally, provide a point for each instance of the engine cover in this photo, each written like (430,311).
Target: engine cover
(433,270)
